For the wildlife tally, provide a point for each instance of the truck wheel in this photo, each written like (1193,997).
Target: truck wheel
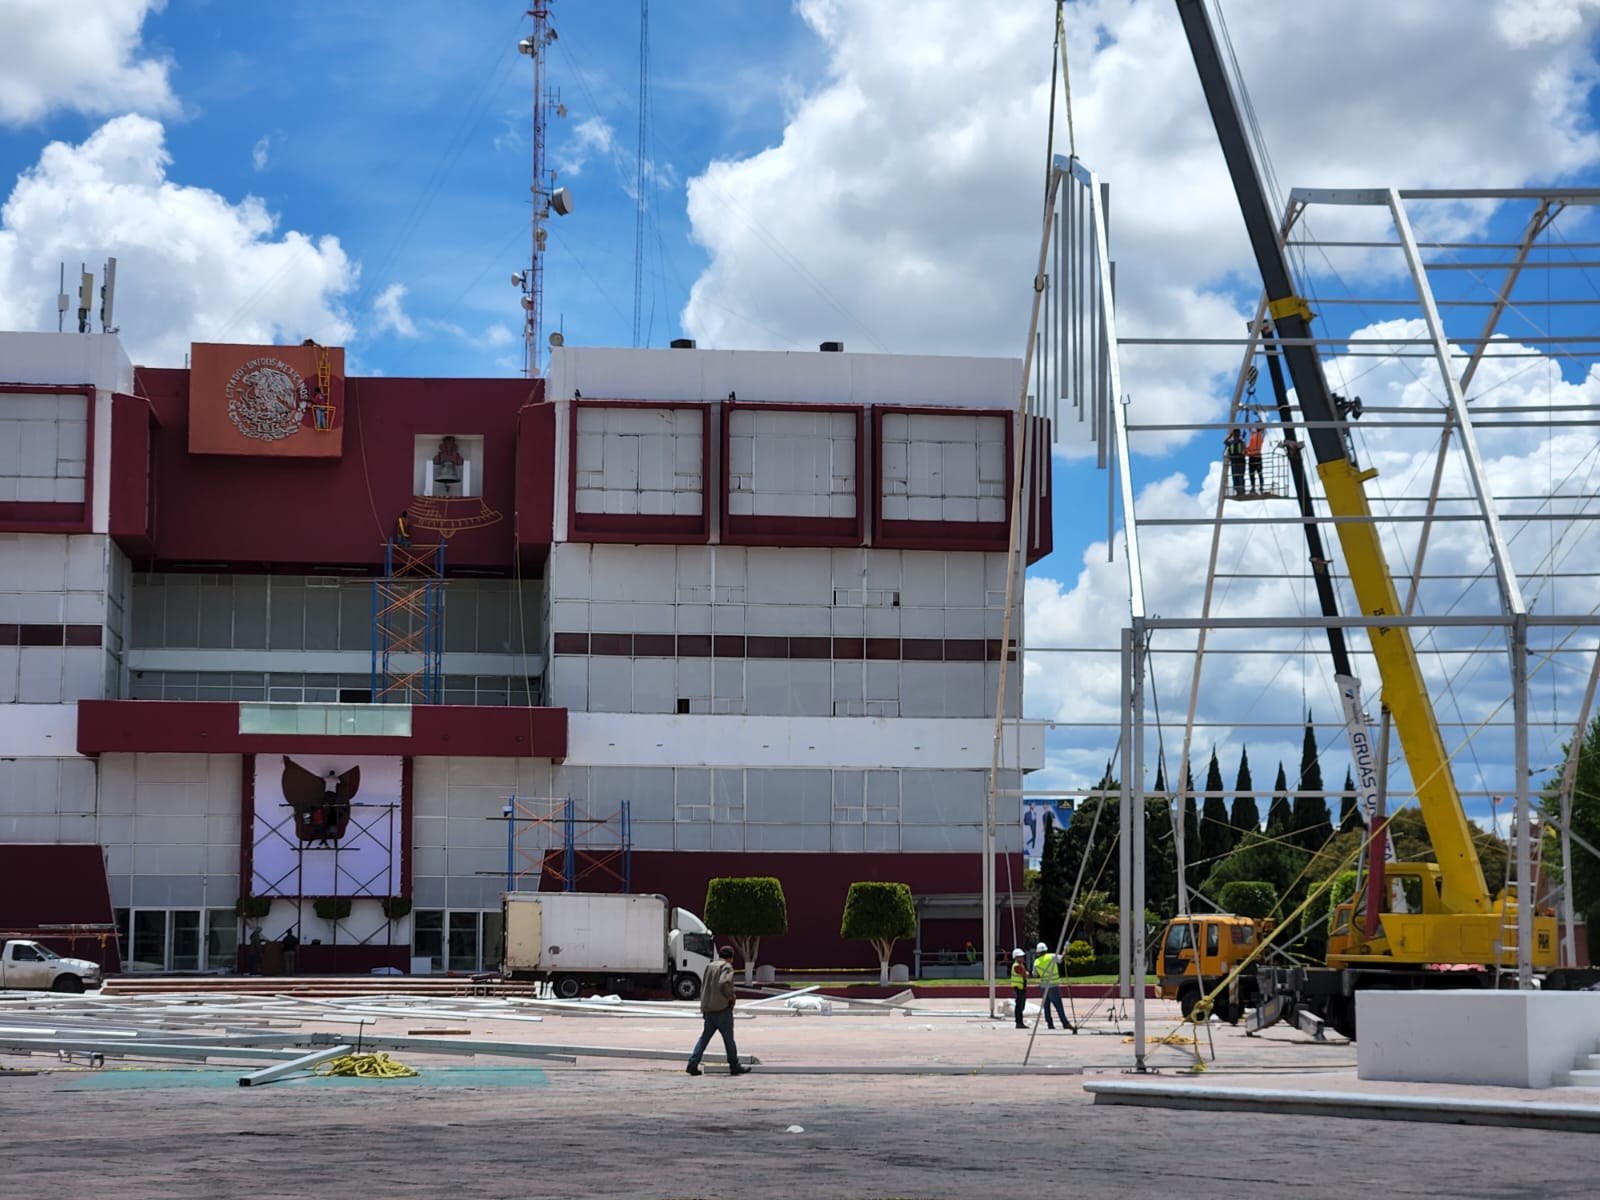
(566,987)
(1340,1012)
(1187,999)
(685,987)
(67,983)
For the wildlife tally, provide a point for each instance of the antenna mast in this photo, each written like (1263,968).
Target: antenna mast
(638,200)
(546,195)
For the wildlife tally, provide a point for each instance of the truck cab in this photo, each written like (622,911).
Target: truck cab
(1196,953)
(28,965)
(693,948)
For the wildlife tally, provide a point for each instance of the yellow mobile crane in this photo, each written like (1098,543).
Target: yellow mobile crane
(1455,920)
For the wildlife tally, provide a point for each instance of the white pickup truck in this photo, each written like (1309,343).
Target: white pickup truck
(27,964)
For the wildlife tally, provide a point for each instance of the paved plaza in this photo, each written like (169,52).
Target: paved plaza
(817,1118)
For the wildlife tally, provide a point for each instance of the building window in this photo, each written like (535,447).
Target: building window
(178,939)
(462,941)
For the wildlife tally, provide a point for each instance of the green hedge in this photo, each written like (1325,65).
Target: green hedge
(1248,898)
(1078,956)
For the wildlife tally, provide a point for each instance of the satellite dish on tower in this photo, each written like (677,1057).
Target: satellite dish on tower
(561,201)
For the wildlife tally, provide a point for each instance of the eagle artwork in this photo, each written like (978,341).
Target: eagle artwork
(321,803)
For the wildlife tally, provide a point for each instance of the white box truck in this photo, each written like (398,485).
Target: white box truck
(599,942)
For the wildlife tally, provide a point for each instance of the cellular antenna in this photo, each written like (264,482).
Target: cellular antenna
(108,296)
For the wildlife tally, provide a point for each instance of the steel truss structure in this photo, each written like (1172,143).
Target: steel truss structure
(1507,642)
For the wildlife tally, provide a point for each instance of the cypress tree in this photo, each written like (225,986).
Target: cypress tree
(1193,849)
(1349,811)
(1311,825)
(1246,815)
(1280,817)
(1217,836)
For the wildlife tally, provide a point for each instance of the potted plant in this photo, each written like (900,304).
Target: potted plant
(252,908)
(396,907)
(332,908)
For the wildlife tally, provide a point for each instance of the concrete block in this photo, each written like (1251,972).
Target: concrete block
(1474,1036)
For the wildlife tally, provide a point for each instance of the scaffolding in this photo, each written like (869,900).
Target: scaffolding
(408,625)
(557,838)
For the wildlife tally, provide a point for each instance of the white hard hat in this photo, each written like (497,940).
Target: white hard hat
(1017,953)
(1041,948)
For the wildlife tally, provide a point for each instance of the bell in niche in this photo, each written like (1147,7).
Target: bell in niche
(447,469)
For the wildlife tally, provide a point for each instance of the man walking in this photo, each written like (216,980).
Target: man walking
(1047,968)
(716,1010)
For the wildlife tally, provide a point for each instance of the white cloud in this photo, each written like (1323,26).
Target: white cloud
(1539,469)
(258,152)
(79,55)
(900,209)
(389,316)
(192,266)
(589,138)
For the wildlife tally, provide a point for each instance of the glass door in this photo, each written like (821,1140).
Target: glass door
(149,940)
(185,940)
(463,942)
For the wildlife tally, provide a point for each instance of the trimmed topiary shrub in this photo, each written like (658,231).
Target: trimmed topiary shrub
(744,910)
(880,913)
(1248,898)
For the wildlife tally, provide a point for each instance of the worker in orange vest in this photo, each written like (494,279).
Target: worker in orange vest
(1252,455)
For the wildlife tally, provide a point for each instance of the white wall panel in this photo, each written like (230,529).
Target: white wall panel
(610,685)
(653,835)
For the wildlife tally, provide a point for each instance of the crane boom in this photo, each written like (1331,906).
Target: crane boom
(1461,881)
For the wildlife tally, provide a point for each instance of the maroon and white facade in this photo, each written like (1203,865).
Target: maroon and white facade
(742,610)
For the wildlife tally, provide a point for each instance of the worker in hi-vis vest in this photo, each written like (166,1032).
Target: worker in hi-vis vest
(1048,968)
(1019,985)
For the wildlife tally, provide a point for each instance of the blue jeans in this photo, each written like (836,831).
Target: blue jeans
(1051,994)
(721,1022)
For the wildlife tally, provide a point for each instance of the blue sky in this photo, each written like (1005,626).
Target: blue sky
(862,170)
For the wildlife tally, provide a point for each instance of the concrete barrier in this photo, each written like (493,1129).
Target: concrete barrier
(1499,1038)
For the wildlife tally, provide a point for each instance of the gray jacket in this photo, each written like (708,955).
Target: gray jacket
(716,987)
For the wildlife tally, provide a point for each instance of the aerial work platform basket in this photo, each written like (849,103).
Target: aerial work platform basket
(1266,477)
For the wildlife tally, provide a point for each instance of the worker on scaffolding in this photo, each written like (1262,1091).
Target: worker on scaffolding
(1233,450)
(1252,455)
(402,529)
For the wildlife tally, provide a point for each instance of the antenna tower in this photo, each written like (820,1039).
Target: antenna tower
(545,194)
(638,199)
